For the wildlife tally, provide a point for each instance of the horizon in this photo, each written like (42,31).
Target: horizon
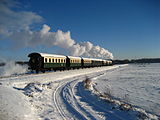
(128,29)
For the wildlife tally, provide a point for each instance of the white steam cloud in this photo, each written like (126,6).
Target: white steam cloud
(61,39)
(11,68)
(18,30)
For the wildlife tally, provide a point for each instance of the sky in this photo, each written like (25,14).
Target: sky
(122,29)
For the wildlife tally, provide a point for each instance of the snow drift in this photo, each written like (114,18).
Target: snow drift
(14,106)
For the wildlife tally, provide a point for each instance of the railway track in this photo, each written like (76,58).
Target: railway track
(46,72)
(28,74)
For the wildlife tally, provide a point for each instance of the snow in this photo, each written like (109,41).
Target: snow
(136,84)
(14,105)
(61,95)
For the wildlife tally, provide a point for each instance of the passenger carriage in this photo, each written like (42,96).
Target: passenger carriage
(86,62)
(73,62)
(43,61)
(97,62)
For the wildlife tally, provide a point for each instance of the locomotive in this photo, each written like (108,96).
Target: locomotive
(43,62)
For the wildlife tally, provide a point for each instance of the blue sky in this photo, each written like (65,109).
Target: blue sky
(127,28)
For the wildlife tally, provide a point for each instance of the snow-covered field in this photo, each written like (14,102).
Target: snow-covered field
(138,84)
(61,95)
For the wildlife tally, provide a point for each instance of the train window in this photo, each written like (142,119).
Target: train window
(45,59)
(59,60)
(64,61)
(56,60)
(53,60)
(49,60)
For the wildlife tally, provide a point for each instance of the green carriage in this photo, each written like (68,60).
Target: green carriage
(43,61)
(73,62)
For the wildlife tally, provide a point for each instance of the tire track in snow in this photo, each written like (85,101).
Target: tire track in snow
(65,97)
(57,105)
(76,104)
(57,92)
(61,94)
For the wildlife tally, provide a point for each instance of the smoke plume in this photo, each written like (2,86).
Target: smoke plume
(22,36)
(11,68)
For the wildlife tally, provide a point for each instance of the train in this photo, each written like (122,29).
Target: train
(41,62)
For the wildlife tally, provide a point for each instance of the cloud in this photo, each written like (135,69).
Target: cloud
(15,25)
(11,20)
(61,39)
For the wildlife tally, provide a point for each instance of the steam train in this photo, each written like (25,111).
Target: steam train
(44,62)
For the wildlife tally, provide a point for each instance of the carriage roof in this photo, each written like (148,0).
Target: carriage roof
(46,55)
(72,57)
